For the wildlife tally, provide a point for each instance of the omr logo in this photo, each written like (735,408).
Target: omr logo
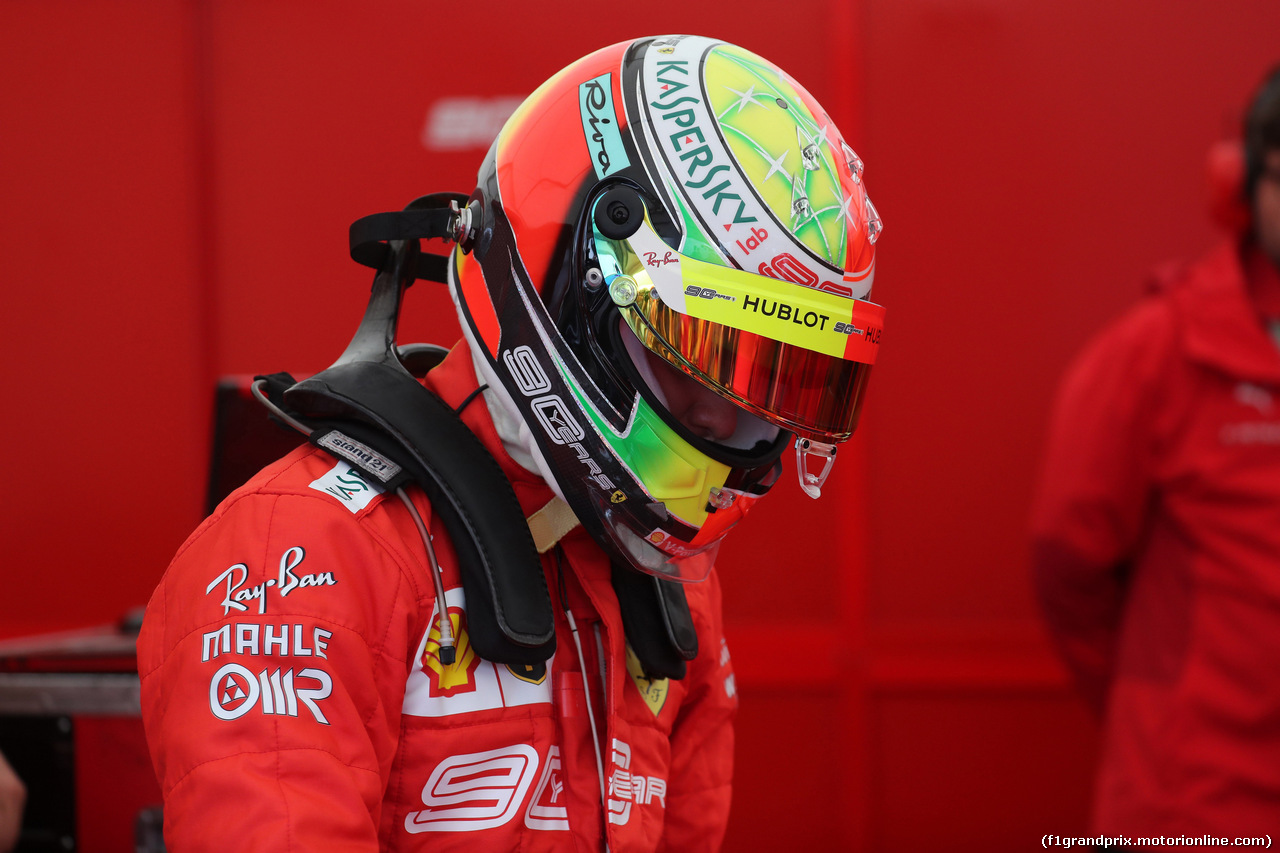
(234,691)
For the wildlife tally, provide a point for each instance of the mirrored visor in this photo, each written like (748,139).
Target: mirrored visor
(795,356)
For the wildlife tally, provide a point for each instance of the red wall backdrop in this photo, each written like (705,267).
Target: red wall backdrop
(177,177)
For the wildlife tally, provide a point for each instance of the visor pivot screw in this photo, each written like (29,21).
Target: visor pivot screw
(619,213)
(720,499)
(622,290)
(594,279)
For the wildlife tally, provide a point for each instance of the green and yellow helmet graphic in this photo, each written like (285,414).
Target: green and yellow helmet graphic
(758,174)
(782,148)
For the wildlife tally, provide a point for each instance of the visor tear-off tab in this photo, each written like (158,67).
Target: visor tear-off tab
(812,483)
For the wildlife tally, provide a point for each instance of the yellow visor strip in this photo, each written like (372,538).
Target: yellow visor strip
(775,308)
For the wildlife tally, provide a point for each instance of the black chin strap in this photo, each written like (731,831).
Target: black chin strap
(659,626)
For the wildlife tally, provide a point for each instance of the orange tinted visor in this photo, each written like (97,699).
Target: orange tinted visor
(795,356)
(809,393)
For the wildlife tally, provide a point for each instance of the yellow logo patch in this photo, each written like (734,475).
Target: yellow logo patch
(652,690)
(459,676)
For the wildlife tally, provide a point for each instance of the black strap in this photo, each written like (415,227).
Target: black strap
(657,621)
(428,217)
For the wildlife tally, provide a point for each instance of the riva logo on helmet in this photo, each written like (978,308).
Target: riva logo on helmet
(557,421)
(600,126)
(689,137)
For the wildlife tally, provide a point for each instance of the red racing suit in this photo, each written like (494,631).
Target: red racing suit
(294,699)
(1157,553)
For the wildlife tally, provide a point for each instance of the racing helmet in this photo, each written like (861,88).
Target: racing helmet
(673,202)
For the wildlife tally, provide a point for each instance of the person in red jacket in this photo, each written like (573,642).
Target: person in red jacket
(1157,531)
(662,279)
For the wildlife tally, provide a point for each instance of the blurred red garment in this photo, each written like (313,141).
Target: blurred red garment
(1156,536)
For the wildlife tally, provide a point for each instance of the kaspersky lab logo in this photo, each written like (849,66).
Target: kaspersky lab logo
(745,152)
(687,136)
